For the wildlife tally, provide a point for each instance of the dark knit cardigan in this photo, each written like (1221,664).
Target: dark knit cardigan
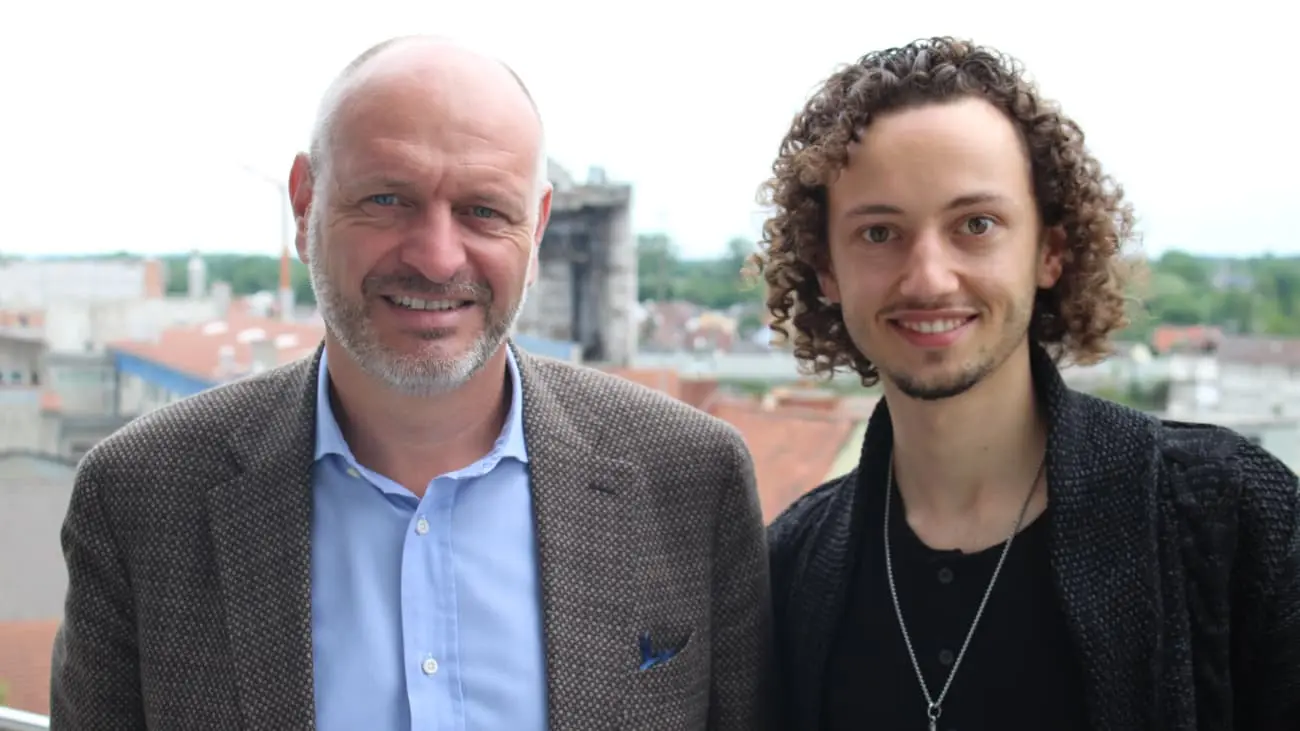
(1175,550)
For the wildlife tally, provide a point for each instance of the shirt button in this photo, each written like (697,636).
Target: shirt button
(945,575)
(352,472)
(429,666)
(421,526)
(946,657)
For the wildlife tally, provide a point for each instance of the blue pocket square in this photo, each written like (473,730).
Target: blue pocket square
(650,656)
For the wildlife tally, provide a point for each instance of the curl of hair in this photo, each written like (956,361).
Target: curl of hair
(1073,319)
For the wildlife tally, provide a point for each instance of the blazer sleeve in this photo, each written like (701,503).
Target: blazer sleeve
(95,675)
(1268,684)
(742,694)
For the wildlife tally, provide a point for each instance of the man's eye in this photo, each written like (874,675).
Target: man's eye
(482,212)
(978,225)
(384,199)
(877,234)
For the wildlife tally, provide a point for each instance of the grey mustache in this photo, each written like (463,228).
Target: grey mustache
(420,285)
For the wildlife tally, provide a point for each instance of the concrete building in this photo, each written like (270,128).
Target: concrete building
(27,420)
(39,283)
(587,279)
(1250,375)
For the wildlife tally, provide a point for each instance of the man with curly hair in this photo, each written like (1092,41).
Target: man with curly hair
(1008,553)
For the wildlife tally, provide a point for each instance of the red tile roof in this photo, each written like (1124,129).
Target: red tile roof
(793,434)
(25,663)
(794,449)
(1195,337)
(224,349)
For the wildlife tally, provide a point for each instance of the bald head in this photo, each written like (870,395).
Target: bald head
(423,64)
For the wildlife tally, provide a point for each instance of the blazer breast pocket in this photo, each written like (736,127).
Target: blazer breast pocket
(676,684)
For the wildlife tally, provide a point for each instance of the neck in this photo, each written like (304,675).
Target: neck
(973,456)
(413,439)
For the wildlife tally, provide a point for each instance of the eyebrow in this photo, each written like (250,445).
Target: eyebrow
(489,194)
(963,201)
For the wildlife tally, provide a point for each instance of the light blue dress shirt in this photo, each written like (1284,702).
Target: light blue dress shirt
(426,614)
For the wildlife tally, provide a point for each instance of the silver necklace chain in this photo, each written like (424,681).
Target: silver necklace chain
(934,706)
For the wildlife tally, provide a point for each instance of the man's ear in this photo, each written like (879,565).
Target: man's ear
(830,285)
(539,232)
(301,183)
(1051,256)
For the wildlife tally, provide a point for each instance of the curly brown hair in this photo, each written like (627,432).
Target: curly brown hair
(1073,319)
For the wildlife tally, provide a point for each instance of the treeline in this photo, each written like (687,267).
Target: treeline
(1253,296)
(1257,295)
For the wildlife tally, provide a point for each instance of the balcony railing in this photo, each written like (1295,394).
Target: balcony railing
(12,719)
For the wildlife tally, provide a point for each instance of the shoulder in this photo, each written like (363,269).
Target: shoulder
(1217,472)
(193,432)
(790,530)
(1219,460)
(1239,505)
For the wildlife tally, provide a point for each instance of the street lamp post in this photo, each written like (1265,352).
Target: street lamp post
(286,237)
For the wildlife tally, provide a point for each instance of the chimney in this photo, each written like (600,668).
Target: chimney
(198,276)
(287,304)
(226,360)
(155,279)
(222,297)
(265,354)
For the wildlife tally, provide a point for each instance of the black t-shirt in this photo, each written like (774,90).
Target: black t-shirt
(1020,671)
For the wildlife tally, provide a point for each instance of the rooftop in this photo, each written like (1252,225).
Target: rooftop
(25,664)
(221,350)
(799,436)
(34,490)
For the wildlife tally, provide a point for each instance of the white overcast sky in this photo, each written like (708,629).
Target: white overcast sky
(126,125)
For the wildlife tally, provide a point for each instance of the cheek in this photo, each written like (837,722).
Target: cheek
(354,257)
(501,262)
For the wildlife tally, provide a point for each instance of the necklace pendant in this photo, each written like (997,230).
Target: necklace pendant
(933,713)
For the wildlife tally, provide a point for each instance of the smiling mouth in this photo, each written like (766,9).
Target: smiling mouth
(430,305)
(933,327)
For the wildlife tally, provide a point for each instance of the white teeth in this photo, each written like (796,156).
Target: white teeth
(930,327)
(412,303)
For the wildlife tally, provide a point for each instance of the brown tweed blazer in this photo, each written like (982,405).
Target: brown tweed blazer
(188,548)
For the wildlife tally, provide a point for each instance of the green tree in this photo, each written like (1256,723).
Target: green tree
(658,266)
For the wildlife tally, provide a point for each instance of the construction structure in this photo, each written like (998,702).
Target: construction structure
(587,278)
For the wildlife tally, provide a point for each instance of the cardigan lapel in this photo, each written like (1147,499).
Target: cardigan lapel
(1103,465)
(825,569)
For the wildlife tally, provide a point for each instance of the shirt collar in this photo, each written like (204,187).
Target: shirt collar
(511,443)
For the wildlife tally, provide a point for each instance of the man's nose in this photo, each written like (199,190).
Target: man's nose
(434,245)
(928,268)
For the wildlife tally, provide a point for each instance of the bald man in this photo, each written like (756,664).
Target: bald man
(420,526)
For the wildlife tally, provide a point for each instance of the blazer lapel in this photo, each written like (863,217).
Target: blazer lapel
(1102,462)
(583,504)
(261,535)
